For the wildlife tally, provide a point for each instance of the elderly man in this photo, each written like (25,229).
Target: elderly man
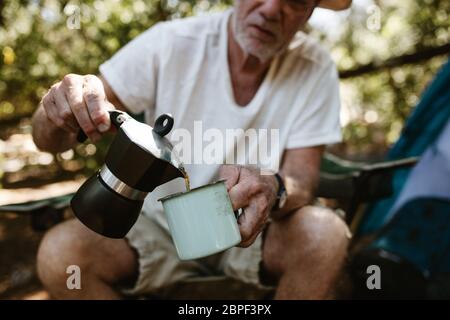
(248,67)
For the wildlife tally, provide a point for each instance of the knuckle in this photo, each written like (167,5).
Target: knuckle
(255,187)
(223,169)
(93,81)
(74,98)
(66,115)
(244,172)
(90,77)
(46,100)
(97,116)
(92,96)
(245,244)
(249,241)
(56,121)
(246,235)
(52,92)
(246,197)
(69,79)
(77,104)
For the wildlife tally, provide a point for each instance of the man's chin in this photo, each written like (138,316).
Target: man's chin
(263,53)
(257,48)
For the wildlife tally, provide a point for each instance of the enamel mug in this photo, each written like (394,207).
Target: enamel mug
(201,221)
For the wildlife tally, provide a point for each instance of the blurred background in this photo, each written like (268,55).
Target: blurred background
(387,52)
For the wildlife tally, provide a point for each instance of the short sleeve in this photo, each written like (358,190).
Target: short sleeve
(318,123)
(132,71)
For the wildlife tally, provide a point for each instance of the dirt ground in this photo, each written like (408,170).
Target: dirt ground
(19,243)
(18,247)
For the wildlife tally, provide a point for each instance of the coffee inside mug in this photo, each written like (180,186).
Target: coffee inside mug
(201,221)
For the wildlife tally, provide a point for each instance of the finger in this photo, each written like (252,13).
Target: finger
(74,94)
(254,223)
(249,242)
(49,105)
(231,175)
(258,230)
(95,98)
(241,193)
(248,223)
(63,109)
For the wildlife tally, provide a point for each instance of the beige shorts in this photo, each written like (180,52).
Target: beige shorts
(160,268)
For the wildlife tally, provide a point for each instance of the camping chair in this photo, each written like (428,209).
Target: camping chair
(410,242)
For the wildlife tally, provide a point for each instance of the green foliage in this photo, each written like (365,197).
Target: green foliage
(377,104)
(38,46)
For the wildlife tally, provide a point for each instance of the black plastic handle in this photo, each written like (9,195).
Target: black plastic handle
(113,115)
(81,136)
(161,128)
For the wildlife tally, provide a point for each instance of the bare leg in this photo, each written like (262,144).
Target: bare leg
(305,252)
(103,262)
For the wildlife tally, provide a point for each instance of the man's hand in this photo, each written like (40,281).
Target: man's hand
(254,193)
(79,101)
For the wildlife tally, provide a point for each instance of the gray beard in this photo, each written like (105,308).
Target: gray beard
(264,54)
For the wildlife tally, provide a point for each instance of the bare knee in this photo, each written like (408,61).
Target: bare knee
(99,258)
(62,246)
(318,229)
(311,236)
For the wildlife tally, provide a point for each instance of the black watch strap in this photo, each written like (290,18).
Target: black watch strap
(281,190)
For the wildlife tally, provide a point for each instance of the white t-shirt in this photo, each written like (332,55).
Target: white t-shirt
(181,67)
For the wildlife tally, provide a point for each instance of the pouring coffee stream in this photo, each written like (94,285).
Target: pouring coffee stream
(139,159)
(186,181)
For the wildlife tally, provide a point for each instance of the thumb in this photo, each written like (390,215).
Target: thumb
(108,106)
(230,174)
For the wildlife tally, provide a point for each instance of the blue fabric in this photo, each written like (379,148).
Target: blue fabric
(421,130)
(430,177)
(420,234)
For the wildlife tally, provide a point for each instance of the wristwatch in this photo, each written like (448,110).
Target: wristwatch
(281,194)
